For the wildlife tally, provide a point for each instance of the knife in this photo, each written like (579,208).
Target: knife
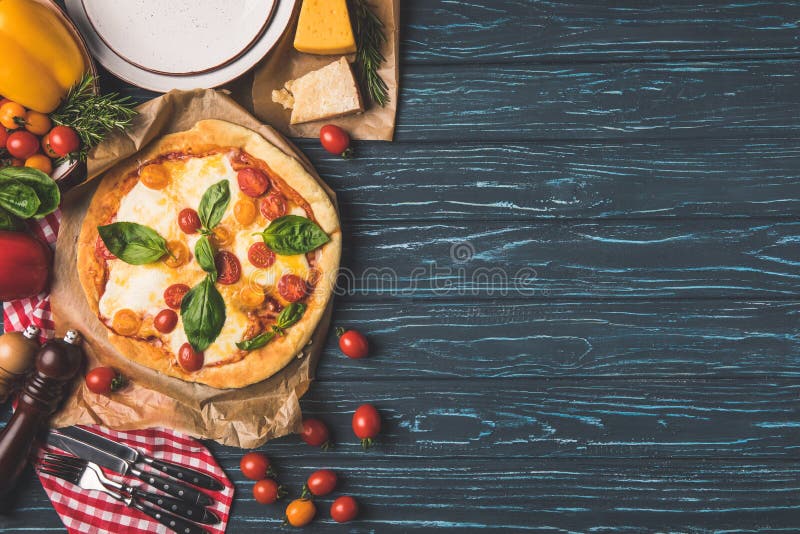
(125,467)
(133,456)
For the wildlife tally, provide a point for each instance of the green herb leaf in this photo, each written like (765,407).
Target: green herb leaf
(9,222)
(290,315)
(45,187)
(292,234)
(19,199)
(213,204)
(256,342)
(203,314)
(204,253)
(133,243)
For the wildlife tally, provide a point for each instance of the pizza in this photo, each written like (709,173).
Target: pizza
(210,256)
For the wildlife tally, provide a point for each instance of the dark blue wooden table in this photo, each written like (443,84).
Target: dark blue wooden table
(579,267)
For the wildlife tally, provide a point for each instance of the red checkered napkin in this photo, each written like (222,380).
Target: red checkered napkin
(95,512)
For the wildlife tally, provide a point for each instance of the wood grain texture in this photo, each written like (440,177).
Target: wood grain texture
(447,31)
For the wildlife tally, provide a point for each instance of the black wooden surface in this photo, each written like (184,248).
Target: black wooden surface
(590,214)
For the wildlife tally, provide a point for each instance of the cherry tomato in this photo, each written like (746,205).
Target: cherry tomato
(63,140)
(221,236)
(228,267)
(3,137)
(272,207)
(173,295)
(260,256)
(178,254)
(126,322)
(245,211)
(366,424)
(255,466)
(267,491)
(189,221)
(22,144)
(102,252)
(104,380)
(292,287)
(315,433)
(321,482)
(12,115)
(46,148)
(190,359)
(4,101)
(352,343)
(37,123)
(165,321)
(344,509)
(41,162)
(300,512)
(252,182)
(335,140)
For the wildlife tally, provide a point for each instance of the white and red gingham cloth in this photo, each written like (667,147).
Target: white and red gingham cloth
(95,512)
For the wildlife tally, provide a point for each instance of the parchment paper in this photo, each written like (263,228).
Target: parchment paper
(244,417)
(285,63)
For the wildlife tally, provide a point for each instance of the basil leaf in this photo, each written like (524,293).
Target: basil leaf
(213,204)
(19,199)
(45,187)
(203,314)
(9,222)
(290,315)
(292,234)
(256,342)
(204,253)
(133,243)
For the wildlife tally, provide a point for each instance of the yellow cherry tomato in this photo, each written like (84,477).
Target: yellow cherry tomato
(300,512)
(12,115)
(154,176)
(38,123)
(244,211)
(221,236)
(252,297)
(126,322)
(41,162)
(178,254)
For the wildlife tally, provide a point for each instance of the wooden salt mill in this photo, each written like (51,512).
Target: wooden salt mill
(17,352)
(57,362)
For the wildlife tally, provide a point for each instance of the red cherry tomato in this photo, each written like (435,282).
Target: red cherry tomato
(366,424)
(101,250)
(344,509)
(272,207)
(63,140)
(321,482)
(3,137)
(47,149)
(255,466)
(352,343)
(315,433)
(267,491)
(260,256)
(292,287)
(228,267)
(252,182)
(22,144)
(335,140)
(104,380)
(190,359)
(165,321)
(189,221)
(173,295)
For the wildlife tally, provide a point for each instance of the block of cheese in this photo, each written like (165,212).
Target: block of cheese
(328,92)
(324,28)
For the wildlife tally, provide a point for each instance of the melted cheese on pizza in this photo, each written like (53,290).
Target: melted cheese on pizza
(141,287)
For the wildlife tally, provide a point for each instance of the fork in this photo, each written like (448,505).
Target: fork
(86,476)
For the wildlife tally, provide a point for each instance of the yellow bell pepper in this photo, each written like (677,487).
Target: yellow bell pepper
(41,59)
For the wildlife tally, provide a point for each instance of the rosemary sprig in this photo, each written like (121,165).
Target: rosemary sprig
(369,39)
(93,116)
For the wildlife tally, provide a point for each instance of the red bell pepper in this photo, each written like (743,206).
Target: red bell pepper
(24,265)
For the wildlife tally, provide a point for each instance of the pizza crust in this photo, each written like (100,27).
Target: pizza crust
(208,135)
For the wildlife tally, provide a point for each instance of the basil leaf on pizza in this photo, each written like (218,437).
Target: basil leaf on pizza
(203,314)
(133,243)
(292,234)
(19,199)
(204,253)
(213,204)
(289,316)
(256,342)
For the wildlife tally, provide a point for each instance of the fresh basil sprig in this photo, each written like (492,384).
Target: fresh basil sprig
(292,234)
(204,253)
(133,243)
(203,314)
(213,205)
(19,199)
(289,316)
(45,187)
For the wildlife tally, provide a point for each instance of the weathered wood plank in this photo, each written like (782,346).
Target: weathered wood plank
(443,31)
(515,495)
(525,181)
(705,258)
(520,339)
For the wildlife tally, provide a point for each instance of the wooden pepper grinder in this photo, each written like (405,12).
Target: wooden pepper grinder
(17,352)
(57,362)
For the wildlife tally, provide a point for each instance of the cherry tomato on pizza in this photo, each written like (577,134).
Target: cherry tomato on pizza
(320,483)
(315,433)
(228,267)
(352,343)
(260,255)
(189,221)
(190,359)
(267,491)
(272,207)
(165,321)
(253,182)
(104,380)
(335,140)
(366,424)
(344,509)
(173,295)
(300,512)
(292,287)
(255,466)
